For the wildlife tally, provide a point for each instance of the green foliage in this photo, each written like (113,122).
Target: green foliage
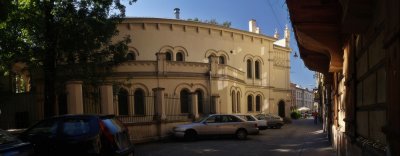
(212,21)
(63,39)
(295,115)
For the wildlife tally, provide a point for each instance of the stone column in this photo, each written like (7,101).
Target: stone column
(159,103)
(161,63)
(74,97)
(214,65)
(215,104)
(195,104)
(107,99)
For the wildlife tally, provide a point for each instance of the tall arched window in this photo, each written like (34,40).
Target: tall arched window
(249,69)
(221,60)
(200,104)
(258,103)
(238,102)
(179,56)
(168,56)
(123,102)
(139,102)
(130,56)
(233,101)
(249,103)
(257,69)
(184,98)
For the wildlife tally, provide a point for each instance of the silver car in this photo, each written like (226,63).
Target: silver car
(216,124)
(274,121)
(262,124)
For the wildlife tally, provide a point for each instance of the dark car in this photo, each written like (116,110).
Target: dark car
(12,146)
(79,134)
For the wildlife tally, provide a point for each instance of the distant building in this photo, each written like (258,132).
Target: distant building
(301,97)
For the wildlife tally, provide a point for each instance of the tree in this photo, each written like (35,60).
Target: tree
(212,21)
(64,39)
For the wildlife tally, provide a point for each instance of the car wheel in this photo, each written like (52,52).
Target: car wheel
(241,134)
(190,135)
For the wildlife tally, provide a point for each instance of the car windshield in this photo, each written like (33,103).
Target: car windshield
(6,138)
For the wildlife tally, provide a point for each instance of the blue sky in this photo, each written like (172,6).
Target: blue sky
(269,14)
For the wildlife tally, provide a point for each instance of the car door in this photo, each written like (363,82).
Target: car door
(210,126)
(43,136)
(229,124)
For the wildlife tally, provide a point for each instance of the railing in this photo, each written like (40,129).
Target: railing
(136,118)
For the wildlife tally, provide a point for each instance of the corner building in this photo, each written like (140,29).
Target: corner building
(193,68)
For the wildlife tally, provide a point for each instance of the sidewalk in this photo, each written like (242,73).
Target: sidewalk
(316,142)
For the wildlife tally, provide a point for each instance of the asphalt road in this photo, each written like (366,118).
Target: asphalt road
(300,138)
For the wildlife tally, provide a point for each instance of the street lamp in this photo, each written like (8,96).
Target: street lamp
(295,55)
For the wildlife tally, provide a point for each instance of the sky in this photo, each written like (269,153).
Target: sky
(269,14)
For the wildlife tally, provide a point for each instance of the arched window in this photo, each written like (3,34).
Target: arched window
(249,69)
(184,98)
(249,103)
(258,103)
(257,69)
(221,60)
(139,102)
(168,56)
(200,101)
(238,102)
(123,102)
(130,56)
(179,56)
(233,102)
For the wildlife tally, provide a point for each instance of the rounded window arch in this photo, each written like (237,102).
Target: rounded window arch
(184,99)
(249,69)
(249,103)
(221,60)
(131,56)
(258,103)
(257,71)
(123,106)
(179,56)
(139,102)
(168,56)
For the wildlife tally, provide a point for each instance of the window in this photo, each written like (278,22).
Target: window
(184,98)
(75,127)
(238,102)
(221,60)
(179,56)
(257,69)
(123,102)
(233,96)
(130,56)
(249,103)
(168,56)
(258,103)
(200,101)
(249,69)
(44,127)
(139,102)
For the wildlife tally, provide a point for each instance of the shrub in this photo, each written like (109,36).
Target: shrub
(295,115)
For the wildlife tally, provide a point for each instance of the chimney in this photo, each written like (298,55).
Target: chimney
(258,30)
(276,34)
(176,11)
(252,25)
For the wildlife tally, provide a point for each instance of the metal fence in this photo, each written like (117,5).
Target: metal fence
(91,99)
(148,116)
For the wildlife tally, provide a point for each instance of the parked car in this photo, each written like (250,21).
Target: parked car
(10,145)
(273,121)
(262,124)
(79,135)
(217,124)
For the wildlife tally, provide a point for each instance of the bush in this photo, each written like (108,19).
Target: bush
(295,115)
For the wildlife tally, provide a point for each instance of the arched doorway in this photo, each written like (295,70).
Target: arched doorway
(281,108)
(139,102)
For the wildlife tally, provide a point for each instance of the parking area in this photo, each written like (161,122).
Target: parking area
(301,137)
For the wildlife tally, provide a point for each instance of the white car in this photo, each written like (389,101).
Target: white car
(262,124)
(216,124)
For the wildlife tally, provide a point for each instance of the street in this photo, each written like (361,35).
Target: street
(301,138)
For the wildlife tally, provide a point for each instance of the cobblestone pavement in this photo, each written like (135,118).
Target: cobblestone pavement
(300,138)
